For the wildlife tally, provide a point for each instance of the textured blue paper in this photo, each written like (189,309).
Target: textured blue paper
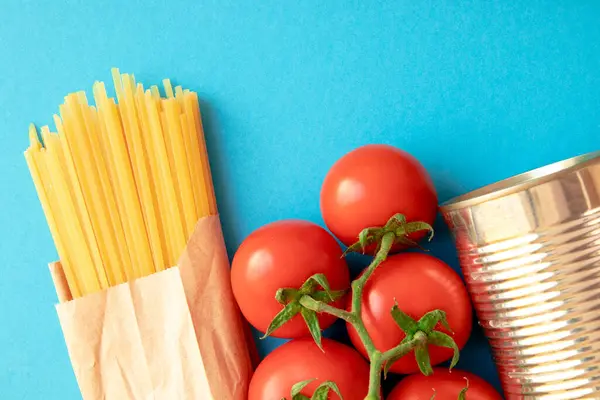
(477,90)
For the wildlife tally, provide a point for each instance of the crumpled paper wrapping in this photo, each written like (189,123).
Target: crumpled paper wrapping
(176,334)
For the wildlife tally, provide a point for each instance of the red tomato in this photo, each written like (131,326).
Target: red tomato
(283,255)
(301,359)
(446,385)
(419,283)
(369,185)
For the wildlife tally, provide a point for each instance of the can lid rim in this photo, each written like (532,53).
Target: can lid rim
(520,182)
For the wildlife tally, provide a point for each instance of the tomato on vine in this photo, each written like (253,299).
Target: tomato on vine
(298,257)
(414,283)
(367,186)
(301,361)
(444,385)
(407,312)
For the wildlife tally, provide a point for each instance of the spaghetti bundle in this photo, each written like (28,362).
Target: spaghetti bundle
(146,305)
(122,184)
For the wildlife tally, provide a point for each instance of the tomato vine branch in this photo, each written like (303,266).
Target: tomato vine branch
(309,301)
(358,286)
(405,347)
(319,306)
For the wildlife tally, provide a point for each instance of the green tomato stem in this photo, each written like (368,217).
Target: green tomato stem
(404,348)
(354,318)
(357,290)
(375,376)
(319,306)
(358,286)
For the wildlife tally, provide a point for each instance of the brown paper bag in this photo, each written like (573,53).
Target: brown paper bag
(176,334)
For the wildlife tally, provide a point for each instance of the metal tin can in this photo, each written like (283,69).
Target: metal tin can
(529,248)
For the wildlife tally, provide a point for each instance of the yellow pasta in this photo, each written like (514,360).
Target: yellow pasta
(120,221)
(141,246)
(119,256)
(77,149)
(198,178)
(137,153)
(155,93)
(179,95)
(103,228)
(204,155)
(171,160)
(168,88)
(91,279)
(158,196)
(167,208)
(131,214)
(32,156)
(180,163)
(122,185)
(70,176)
(175,227)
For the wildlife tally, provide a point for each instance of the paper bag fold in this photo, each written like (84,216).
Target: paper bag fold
(217,320)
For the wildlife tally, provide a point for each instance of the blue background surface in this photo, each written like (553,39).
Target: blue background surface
(477,90)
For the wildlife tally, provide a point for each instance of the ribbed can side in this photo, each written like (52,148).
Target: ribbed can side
(531,260)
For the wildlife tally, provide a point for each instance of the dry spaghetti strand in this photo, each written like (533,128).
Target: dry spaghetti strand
(122,185)
(50,208)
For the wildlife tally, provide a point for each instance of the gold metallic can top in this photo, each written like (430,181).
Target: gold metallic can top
(519,183)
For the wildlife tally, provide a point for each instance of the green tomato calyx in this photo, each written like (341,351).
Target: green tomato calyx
(419,335)
(321,393)
(398,226)
(293,301)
